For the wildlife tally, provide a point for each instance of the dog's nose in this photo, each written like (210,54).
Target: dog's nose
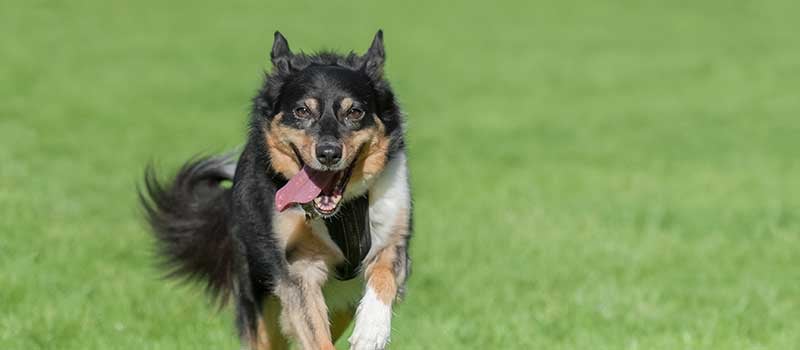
(329,153)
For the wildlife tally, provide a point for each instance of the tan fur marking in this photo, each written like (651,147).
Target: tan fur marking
(372,159)
(382,276)
(289,226)
(345,105)
(307,246)
(312,104)
(353,144)
(296,237)
(279,139)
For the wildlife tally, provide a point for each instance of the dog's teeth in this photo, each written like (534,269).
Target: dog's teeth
(327,203)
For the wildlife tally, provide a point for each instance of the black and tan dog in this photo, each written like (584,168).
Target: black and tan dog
(314,229)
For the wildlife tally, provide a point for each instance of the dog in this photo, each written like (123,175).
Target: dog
(309,227)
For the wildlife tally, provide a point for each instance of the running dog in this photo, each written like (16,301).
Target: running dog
(309,226)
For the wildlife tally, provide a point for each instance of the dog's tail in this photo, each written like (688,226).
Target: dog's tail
(190,218)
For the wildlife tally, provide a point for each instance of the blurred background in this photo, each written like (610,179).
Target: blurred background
(587,174)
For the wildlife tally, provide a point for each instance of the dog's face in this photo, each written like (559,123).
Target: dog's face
(329,114)
(326,124)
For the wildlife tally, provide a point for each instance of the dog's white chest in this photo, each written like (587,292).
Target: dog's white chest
(389,202)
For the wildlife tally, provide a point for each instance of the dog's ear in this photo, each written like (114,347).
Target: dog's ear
(281,55)
(375,56)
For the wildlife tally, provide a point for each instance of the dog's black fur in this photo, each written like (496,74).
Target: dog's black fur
(221,235)
(190,218)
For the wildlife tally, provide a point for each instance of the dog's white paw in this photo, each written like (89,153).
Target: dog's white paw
(373,324)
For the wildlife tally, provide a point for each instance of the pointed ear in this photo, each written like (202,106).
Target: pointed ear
(281,55)
(375,56)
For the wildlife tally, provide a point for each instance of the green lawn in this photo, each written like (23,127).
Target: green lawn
(587,175)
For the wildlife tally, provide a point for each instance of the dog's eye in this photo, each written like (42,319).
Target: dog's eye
(355,114)
(302,112)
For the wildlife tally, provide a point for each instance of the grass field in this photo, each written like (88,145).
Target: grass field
(587,175)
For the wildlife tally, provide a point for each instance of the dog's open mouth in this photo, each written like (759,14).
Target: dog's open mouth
(323,190)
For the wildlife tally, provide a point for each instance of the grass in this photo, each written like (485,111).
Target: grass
(587,175)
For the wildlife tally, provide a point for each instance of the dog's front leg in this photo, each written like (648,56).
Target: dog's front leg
(304,315)
(386,275)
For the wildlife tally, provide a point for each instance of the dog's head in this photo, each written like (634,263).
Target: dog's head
(328,120)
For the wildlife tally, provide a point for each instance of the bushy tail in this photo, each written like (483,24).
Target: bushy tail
(190,220)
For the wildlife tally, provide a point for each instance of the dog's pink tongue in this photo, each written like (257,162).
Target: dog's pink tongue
(303,187)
